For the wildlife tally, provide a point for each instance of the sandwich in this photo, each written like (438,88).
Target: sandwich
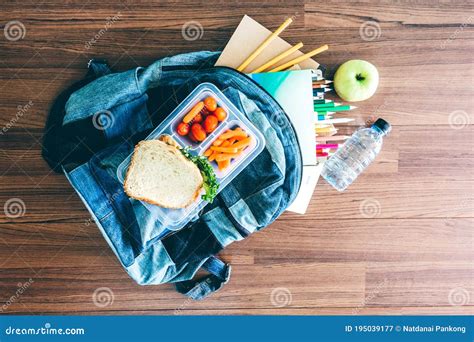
(163,174)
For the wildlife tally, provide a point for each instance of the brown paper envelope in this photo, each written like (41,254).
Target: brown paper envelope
(247,37)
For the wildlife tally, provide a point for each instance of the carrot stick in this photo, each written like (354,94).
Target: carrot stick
(217,142)
(242,143)
(208,153)
(223,164)
(224,149)
(226,156)
(212,157)
(233,134)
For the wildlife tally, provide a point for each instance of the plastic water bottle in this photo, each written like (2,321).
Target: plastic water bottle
(355,155)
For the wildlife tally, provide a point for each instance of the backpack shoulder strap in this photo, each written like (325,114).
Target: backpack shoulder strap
(200,289)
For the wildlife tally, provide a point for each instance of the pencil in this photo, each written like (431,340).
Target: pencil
(321,146)
(300,58)
(321,90)
(333,138)
(323,116)
(322,82)
(264,44)
(334,121)
(326,134)
(335,108)
(325,129)
(278,58)
(317,102)
(323,112)
(326,105)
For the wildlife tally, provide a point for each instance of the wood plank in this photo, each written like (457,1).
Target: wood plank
(399,241)
(383,240)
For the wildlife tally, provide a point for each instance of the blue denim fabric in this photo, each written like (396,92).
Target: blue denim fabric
(138,100)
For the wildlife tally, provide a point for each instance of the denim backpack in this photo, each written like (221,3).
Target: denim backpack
(94,125)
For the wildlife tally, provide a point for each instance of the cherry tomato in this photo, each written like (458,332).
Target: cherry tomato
(220,114)
(183,128)
(205,112)
(197,118)
(210,103)
(210,123)
(191,136)
(198,132)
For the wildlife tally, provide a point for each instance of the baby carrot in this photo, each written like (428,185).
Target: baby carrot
(193,112)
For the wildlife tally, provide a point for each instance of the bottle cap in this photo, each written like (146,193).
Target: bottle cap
(383,125)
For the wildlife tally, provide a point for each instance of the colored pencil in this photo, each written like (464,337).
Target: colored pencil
(278,58)
(323,112)
(300,58)
(334,121)
(264,44)
(325,129)
(321,90)
(322,154)
(337,108)
(326,105)
(333,138)
(316,102)
(321,146)
(322,82)
(326,134)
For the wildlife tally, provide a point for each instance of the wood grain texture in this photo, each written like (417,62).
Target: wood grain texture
(399,241)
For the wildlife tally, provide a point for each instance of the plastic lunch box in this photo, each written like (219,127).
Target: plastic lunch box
(174,219)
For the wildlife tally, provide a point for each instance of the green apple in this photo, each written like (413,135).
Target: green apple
(356,80)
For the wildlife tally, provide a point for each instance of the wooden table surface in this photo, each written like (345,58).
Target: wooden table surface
(399,241)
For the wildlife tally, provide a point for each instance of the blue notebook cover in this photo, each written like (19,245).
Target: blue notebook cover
(294,92)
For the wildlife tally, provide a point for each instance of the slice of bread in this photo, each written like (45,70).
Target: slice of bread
(160,174)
